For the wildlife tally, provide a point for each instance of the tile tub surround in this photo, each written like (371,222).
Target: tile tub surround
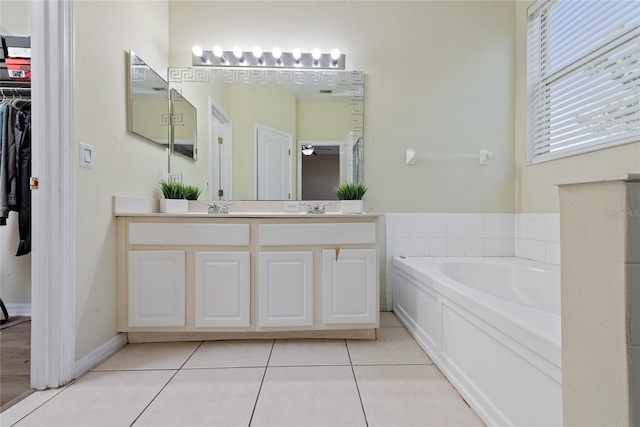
(287,382)
(530,236)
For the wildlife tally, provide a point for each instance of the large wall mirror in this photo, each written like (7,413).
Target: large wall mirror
(276,134)
(150,106)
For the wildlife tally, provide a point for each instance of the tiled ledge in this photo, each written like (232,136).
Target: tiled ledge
(530,236)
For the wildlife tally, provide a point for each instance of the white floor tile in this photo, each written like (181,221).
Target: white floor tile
(169,355)
(309,353)
(101,399)
(387,318)
(206,397)
(394,346)
(231,354)
(309,396)
(27,405)
(416,395)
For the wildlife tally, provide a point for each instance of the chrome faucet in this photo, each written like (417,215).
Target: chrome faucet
(212,208)
(316,209)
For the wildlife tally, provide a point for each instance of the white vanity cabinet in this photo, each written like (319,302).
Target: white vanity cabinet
(219,277)
(349,279)
(285,289)
(222,289)
(340,258)
(183,275)
(156,288)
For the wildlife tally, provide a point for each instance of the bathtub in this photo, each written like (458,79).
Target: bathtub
(492,326)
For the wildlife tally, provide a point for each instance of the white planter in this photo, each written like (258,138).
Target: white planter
(174,205)
(351,206)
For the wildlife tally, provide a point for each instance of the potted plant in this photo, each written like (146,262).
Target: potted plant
(350,195)
(191,192)
(173,200)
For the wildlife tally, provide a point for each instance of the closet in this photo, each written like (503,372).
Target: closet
(15,218)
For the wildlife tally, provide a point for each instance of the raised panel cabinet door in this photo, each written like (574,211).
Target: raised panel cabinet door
(349,286)
(156,288)
(222,289)
(285,289)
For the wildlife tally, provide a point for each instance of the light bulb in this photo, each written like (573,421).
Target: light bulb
(257,52)
(237,52)
(277,52)
(197,50)
(335,54)
(296,54)
(217,51)
(316,53)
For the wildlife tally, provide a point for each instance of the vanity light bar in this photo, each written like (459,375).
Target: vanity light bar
(275,59)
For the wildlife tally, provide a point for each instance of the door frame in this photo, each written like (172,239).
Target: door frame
(223,180)
(53,233)
(257,126)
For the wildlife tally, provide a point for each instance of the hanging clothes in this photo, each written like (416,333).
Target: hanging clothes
(15,169)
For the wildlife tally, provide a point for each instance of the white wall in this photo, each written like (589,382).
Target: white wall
(535,189)
(439,78)
(124,163)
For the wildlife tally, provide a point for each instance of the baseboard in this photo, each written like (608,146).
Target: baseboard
(87,362)
(17,309)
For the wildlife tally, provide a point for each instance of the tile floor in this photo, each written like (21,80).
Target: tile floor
(387,382)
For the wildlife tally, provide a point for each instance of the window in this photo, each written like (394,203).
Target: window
(583,76)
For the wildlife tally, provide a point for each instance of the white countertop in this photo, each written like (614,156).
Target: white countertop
(147,207)
(331,215)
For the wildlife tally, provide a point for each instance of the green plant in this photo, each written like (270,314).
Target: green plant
(191,192)
(172,190)
(351,191)
(178,190)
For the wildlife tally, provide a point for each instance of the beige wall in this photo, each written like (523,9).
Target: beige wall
(124,163)
(323,120)
(535,189)
(439,78)
(15,18)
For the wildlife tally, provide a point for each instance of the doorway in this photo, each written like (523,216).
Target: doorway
(273,163)
(15,251)
(319,170)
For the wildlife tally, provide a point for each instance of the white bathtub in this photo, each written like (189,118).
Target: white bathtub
(492,326)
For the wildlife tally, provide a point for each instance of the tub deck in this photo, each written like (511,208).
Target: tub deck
(504,358)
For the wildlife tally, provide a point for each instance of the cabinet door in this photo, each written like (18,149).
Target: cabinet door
(156,288)
(285,289)
(350,286)
(222,289)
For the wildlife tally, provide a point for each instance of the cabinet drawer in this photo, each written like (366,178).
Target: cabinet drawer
(189,234)
(361,233)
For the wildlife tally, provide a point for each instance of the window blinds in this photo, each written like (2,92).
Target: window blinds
(583,76)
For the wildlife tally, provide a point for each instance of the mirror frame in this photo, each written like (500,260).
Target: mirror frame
(177,120)
(144,74)
(353,79)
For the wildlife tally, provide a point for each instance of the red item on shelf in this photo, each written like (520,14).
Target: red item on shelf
(19,69)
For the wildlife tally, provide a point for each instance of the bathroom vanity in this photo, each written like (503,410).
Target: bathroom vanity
(247,275)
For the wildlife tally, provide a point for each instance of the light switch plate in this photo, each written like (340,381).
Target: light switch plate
(86,156)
